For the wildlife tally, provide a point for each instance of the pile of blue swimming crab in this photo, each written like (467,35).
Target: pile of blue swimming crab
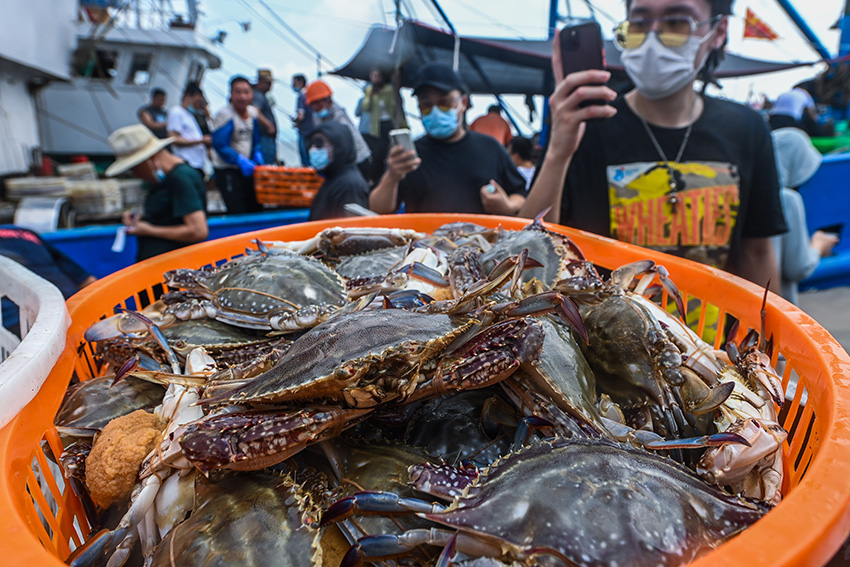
(469,397)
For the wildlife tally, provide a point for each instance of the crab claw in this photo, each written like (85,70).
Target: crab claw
(129,365)
(445,559)
(376,503)
(407,299)
(700,442)
(671,288)
(426,274)
(160,339)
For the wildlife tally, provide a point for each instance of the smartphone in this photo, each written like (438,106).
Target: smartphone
(835,229)
(401,137)
(582,48)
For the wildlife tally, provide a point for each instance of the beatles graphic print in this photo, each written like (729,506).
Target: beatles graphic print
(694,222)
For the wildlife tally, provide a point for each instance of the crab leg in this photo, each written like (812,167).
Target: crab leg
(489,357)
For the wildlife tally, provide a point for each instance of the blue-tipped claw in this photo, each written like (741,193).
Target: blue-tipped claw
(698,442)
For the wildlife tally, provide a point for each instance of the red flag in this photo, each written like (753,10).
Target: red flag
(756,28)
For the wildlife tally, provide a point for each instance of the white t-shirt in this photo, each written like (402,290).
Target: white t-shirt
(792,103)
(183,122)
(527,174)
(243,133)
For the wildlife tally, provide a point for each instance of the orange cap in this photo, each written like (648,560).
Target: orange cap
(317,90)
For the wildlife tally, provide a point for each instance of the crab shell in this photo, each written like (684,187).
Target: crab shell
(604,504)
(360,359)
(558,254)
(249,520)
(251,290)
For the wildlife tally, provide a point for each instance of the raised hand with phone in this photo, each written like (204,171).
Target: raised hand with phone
(449,168)
(645,166)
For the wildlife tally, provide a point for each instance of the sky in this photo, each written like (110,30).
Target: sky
(337,28)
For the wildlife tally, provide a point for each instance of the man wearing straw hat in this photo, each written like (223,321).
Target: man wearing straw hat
(175,205)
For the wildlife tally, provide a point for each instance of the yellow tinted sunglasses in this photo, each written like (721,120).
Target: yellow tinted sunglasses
(672,31)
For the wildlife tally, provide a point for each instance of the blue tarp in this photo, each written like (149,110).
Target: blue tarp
(91,246)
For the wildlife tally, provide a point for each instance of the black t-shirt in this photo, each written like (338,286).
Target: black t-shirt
(345,186)
(452,174)
(158,115)
(618,185)
(182,192)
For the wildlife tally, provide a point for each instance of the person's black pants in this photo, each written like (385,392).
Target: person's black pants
(237,191)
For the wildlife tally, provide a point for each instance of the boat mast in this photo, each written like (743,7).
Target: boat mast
(844,42)
(804,28)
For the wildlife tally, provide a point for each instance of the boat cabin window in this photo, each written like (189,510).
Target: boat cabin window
(95,63)
(196,72)
(140,70)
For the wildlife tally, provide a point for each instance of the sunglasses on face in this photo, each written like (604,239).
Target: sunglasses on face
(672,31)
(446,104)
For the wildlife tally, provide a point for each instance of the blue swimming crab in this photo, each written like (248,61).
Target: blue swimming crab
(271,290)
(605,504)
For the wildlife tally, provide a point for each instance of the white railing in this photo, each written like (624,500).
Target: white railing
(44,321)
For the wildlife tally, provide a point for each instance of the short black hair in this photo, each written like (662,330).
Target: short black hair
(718,7)
(494,108)
(240,79)
(300,77)
(521,147)
(157,92)
(192,89)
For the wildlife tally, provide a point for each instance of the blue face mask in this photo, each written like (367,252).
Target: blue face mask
(323,113)
(319,158)
(440,124)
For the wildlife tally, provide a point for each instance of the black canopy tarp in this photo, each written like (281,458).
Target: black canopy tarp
(492,66)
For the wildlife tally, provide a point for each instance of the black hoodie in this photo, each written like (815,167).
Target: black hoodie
(343,181)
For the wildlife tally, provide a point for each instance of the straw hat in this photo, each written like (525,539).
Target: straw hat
(264,75)
(132,145)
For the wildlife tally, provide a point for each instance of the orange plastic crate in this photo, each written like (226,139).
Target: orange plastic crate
(37,526)
(286,186)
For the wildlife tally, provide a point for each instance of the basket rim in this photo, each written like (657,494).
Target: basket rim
(807,527)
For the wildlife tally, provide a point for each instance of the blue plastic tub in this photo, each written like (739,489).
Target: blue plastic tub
(91,246)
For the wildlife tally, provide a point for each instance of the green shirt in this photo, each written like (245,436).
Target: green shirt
(181,192)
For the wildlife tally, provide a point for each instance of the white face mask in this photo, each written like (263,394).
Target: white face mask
(659,71)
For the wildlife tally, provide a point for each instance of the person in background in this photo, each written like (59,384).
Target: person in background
(175,204)
(303,120)
(190,143)
(331,150)
(319,97)
(521,151)
(797,160)
(380,101)
(155,115)
(236,141)
(493,125)
(39,256)
(652,167)
(457,171)
(794,109)
(268,125)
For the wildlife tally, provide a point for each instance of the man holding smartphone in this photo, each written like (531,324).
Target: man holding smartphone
(456,171)
(663,166)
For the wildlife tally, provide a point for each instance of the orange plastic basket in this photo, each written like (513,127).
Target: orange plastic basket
(286,186)
(41,522)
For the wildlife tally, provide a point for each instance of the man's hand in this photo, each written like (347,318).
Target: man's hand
(207,141)
(495,200)
(824,242)
(400,162)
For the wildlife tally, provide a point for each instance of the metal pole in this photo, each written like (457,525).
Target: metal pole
(844,42)
(804,28)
